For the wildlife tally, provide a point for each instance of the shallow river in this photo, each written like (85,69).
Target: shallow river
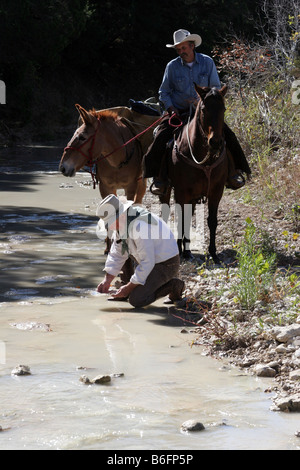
(51,262)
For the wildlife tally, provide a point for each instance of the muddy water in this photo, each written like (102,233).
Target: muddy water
(52,320)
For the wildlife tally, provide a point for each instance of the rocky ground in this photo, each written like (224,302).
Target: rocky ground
(264,340)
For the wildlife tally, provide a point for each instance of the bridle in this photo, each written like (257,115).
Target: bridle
(92,161)
(207,169)
(89,157)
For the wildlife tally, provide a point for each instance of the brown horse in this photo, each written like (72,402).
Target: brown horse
(198,166)
(102,140)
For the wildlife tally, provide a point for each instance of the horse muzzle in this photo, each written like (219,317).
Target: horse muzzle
(67,170)
(215,144)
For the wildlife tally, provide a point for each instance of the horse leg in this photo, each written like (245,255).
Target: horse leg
(184,214)
(212,221)
(165,204)
(140,190)
(188,210)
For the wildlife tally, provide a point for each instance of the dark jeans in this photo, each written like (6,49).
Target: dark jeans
(154,288)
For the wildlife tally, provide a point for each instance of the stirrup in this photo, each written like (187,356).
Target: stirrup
(236,182)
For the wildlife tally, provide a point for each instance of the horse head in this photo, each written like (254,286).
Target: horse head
(79,151)
(212,110)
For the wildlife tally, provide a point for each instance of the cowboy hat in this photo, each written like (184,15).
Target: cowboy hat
(111,208)
(182,36)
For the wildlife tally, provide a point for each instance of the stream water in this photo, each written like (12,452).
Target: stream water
(52,320)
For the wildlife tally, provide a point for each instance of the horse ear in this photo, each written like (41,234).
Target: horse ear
(223,90)
(201,90)
(86,117)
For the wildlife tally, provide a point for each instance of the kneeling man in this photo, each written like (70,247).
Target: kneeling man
(147,239)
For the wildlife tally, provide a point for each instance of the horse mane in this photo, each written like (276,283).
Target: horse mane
(104,115)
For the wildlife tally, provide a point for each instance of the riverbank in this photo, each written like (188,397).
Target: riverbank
(53,321)
(263,341)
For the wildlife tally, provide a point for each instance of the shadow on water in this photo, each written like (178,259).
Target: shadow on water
(47,253)
(19,166)
(12,182)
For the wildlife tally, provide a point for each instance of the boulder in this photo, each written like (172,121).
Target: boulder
(285,333)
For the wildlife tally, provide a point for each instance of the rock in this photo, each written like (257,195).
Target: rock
(285,333)
(85,380)
(192,425)
(21,370)
(289,403)
(101,379)
(32,325)
(295,374)
(274,365)
(263,370)
(297,353)
(281,349)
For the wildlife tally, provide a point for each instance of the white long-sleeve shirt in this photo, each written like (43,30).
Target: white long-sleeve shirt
(149,244)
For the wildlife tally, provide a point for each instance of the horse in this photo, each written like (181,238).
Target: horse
(198,165)
(102,140)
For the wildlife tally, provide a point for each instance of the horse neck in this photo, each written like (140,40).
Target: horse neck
(196,134)
(110,141)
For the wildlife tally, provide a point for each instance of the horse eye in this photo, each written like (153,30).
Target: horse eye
(81,137)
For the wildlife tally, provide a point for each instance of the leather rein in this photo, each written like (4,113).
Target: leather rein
(92,161)
(207,169)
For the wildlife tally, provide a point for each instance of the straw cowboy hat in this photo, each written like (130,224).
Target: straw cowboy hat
(111,208)
(182,35)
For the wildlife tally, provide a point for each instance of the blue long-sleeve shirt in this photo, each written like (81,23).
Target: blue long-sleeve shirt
(177,88)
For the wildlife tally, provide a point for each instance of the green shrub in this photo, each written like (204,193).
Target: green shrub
(256,266)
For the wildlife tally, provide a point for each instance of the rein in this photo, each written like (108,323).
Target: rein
(207,169)
(91,161)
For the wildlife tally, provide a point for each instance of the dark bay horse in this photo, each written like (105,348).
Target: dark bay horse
(101,140)
(198,166)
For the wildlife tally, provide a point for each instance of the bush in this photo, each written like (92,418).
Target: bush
(256,267)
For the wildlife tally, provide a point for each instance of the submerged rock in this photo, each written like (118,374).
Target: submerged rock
(85,380)
(192,425)
(101,379)
(32,325)
(21,370)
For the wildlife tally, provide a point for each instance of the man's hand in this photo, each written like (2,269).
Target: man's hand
(124,291)
(172,110)
(104,286)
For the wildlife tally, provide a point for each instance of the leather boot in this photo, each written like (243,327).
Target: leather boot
(235,181)
(158,187)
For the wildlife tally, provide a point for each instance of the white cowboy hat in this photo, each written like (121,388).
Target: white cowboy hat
(111,208)
(182,36)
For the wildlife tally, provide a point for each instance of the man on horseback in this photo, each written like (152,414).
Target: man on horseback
(178,96)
